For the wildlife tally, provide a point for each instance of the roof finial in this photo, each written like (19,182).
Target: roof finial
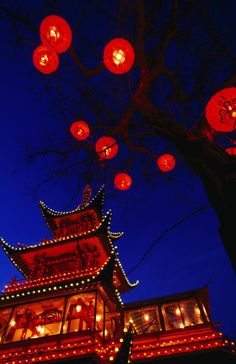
(86,195)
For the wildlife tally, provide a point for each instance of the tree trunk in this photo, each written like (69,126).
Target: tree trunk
(210,162)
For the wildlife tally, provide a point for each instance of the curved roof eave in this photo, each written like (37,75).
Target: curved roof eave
(97,201)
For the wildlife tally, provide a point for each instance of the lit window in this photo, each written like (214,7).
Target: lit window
(144,320)
(80,313)
(190,312)
(35,320)
(4,317)
(178,315)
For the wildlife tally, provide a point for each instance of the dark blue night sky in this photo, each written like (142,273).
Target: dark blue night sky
(190,256)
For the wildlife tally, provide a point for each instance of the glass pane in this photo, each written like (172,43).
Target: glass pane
(112,324)
(172,316)
(205,312)
(190,312)
(4,317)
(150,320)
(80,313)
(35,320)
(145,320)
(100,314)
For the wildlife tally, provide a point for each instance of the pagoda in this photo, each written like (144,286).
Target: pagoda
(68,307)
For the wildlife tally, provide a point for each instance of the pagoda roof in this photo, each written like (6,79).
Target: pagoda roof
(17,254)
(108,272)
(22,256)
(96,203)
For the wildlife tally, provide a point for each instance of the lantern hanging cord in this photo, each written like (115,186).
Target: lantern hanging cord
(170,228)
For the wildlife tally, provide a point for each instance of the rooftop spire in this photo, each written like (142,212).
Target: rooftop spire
(86,195)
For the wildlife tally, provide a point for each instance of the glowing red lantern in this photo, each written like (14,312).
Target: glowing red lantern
(80,130)
(106,147)
(56,32)
(118,56)
(221,110)
(231,150)
(45,59)
(123,181)
(166,162)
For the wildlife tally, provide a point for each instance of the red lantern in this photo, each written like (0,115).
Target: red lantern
(166,162)
(45,59)
(123,181)
(118,56)
(80,130)
(106,147)
(231,150)
(221,110)
(56,32)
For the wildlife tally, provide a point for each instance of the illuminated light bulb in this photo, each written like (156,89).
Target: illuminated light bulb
(111,358)
(118,57)
(146,317)
(233,114)
(116,349)
(40,329)
(78,308)
(12,323)
(177,311)
(98,318)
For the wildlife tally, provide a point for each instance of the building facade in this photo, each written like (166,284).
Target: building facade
(68,308)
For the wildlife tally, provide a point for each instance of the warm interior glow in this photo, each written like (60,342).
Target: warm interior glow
(44,60)
(177,311)
(78,308)
(106,149)
(118,56)
(12,323)
(98,318)
(146,317)
(53,32)
(233,114)
(40,329)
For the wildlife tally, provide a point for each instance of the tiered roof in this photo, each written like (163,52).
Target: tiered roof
(88,213)
(82,245)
